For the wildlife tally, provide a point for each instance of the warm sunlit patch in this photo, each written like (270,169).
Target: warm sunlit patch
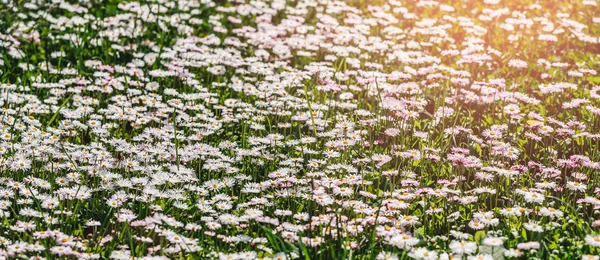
(356,129)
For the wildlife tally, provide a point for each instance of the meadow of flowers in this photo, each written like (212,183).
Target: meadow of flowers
(300,129)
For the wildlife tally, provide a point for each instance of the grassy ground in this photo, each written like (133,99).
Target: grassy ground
(299,129)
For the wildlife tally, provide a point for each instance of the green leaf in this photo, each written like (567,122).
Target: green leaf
(595,80)
(420,232)
(496,252)
(304,250)
(273,241)
(479,235)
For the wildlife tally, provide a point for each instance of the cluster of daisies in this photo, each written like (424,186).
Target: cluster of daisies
(273,129)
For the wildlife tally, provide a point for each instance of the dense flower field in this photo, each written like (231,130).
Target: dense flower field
(300,129)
